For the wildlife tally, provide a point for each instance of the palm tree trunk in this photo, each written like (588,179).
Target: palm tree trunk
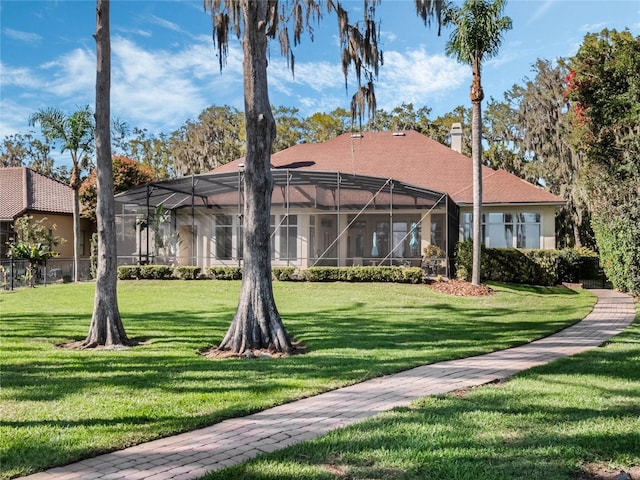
(257,323)
(476,147)
(76,232)
(106,325)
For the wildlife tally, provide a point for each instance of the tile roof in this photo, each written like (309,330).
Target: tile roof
(23,189)
(412,158)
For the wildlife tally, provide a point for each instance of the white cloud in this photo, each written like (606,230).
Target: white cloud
(159,90)
(27,37)
(14,113)
(134,31)
(411,76)
(593,27)
(512,51)
(17,76)
(416,77)
(164,23)
(542,9)
(73,75)
(317,76)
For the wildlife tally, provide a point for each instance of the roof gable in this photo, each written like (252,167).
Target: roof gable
(23,190)
(412,158)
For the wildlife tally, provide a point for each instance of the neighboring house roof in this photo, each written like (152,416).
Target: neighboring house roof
(412,158)
(24,190)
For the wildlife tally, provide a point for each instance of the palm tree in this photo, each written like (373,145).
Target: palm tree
(477,35)
(106,325)
(73,133)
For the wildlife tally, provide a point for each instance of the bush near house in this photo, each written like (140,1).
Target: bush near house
(509,265)
(365,274)
(284,274)
(224,273)
(128,272)
(532,267)
(187,272)
(144,272)
(314,274)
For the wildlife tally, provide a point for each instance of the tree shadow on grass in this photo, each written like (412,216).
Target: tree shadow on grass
(537,426)
(343,343)
(348,343)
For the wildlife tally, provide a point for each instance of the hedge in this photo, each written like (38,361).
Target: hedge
(284,274)
(534,267)
(618,239)
(364,274)
(187,272)
(128,272)
(224,273)
(146,272)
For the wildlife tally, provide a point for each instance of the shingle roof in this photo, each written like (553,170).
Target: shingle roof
(412,158)
(22,190)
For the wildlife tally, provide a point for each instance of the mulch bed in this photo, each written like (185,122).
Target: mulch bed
(596,471)
(461,288)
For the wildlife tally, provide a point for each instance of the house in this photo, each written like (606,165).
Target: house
(26,192)
(382,198)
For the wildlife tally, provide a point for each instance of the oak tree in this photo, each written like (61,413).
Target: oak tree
(257,323)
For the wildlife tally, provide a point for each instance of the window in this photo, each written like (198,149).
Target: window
(438,230)
(506,230)
(312,237)
(467,226)
(400,232)
(224,237)
(289,237)
(83,241)
(528,230)
(380,242)
(284,235)
(272,236)
(498,229)
(239,239)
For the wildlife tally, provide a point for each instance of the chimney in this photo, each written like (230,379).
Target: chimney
(456,137)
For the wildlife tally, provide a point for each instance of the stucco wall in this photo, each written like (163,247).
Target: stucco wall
(64,229)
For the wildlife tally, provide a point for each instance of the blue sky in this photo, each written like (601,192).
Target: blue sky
(165,70)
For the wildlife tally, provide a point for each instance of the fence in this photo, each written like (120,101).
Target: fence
(591,274)
(13,273)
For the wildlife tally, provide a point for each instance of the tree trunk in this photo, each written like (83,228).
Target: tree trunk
(576,217)
(257,323)
(75,185)
(476,143)
(106,325)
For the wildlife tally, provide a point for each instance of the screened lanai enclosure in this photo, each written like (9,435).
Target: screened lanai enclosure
(317,219)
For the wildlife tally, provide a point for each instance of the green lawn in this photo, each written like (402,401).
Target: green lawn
(58,406)
(556,422)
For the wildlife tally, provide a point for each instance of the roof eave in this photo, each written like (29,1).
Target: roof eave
(514,204)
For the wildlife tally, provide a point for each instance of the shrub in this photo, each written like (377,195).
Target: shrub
(321,274)
(284,273)
(365,274)
(463,260)
(224,273)
(617,239)
(155,272)
(569,265)
(128,272)
(511,265)
(187,272)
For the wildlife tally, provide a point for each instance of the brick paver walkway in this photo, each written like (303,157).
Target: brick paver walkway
(191,455)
